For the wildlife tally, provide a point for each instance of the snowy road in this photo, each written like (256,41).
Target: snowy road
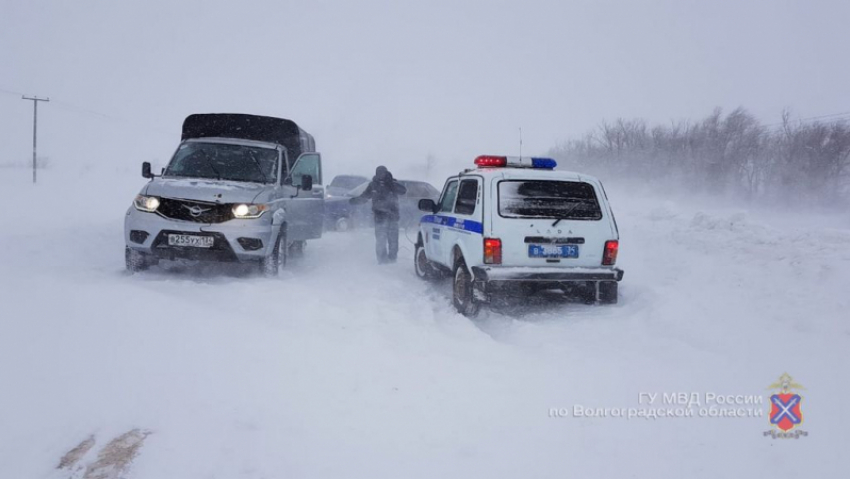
(342,368)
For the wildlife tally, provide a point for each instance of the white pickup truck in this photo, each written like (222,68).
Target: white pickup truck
(240,188)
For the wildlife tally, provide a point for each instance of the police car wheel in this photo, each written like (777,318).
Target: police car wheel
(424,269)
(463,296)
(608,292)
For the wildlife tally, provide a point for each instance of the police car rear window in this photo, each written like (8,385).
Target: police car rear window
(569,200)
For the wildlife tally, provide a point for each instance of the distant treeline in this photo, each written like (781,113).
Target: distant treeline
(734,153)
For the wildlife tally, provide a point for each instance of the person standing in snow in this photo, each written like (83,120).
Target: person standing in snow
(383,190)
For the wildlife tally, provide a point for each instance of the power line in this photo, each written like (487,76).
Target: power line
(833,116)
(104,116)
(825,116)
(64,105)
(10,92)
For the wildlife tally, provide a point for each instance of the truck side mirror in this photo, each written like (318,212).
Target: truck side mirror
(307,183)
(427,205)
(146,170)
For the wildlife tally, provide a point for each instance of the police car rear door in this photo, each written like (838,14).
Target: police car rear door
(549,221)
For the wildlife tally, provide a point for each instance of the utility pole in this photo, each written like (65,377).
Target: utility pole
(34,101)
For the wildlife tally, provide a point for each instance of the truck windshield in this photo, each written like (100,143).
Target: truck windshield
(224,162)
(568,200)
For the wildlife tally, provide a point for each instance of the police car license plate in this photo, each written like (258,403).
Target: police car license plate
(552,251)
(191,240)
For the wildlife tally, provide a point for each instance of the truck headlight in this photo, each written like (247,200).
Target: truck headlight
(245,211)
(148,204)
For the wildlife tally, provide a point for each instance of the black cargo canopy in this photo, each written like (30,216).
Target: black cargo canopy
(250,127)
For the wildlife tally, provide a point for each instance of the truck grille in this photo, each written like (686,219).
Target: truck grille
(195,211)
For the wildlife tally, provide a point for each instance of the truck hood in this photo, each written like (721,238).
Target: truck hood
(213,191)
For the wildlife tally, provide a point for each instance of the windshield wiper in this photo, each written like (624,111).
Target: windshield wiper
(558,221)
(565,217)
(210,164)
(259,168)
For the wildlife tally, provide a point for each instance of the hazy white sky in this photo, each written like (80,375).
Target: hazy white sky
(392,81)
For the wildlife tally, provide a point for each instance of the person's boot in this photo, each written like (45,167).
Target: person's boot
(382,257)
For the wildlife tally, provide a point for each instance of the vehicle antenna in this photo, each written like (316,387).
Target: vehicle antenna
(520,144)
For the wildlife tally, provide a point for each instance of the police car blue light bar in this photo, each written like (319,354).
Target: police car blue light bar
(546,163)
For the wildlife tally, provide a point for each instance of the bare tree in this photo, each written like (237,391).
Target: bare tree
(732,153)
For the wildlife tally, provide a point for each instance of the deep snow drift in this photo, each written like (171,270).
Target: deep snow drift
(342,368)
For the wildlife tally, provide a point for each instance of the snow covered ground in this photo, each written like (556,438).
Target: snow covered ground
(343,368)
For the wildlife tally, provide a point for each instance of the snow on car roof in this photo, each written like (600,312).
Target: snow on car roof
(232,141)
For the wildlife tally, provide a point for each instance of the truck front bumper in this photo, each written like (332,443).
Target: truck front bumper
(235,240)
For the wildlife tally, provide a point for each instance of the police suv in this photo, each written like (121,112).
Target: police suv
(519,226)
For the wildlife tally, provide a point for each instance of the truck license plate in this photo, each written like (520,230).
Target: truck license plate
(191,240)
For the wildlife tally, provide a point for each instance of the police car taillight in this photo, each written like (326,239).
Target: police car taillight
(492,251)
(490,161)
(609,256)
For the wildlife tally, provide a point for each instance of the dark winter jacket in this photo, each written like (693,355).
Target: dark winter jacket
(383,190)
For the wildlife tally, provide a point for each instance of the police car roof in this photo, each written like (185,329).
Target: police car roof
(530,173)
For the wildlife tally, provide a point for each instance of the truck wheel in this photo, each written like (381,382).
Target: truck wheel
(135,261)
(608,292)
(422,265)
(342,224)
(271,264)
(462,295)
(296,249)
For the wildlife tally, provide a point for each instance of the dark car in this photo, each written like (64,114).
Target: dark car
(340,215)
(342,184)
